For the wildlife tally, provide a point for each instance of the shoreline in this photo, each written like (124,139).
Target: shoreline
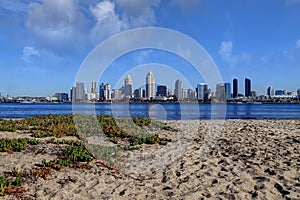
(158,102)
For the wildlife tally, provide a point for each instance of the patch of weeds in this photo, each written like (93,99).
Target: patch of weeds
(16,144)
(11,185)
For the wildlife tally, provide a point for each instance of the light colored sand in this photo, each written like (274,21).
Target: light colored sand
(238,159)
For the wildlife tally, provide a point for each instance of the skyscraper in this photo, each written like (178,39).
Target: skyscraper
(178,90)
(247,87)
(102,92)
(220,92)
(235,88)
(73,94)
(79,94)
(128,86)
(149,85)
(161,90)
(94,87)
(227,91)
(202,92)
(270,92)
(105,92)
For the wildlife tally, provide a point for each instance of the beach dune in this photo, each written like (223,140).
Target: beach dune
(242,159)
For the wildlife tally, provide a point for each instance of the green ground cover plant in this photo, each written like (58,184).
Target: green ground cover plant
(16,145)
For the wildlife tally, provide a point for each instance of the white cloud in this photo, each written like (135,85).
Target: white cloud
(107,21)
(225,51)
(56,22)
(138,12)
(187,6)
(29,53)
(119,15)
(298,43)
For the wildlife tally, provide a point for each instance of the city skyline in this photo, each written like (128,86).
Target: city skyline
(44,42)
(223,91)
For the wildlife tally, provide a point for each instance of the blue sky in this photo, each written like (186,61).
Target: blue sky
(44,42)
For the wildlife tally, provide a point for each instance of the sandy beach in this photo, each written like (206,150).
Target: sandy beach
(232,159)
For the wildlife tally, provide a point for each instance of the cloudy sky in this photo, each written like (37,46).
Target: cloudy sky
(44,42)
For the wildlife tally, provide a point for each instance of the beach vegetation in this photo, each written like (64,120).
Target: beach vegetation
(16,144)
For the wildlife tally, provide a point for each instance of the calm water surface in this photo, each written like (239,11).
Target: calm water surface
(157,111)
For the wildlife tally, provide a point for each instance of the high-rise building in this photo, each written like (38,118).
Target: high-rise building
(62,97)
(161,90)
(138,93)
(280,92)
(202,92)
(191,94)
(80,94)
(94,87)
(221,92)
(298,93)
(270,92)
(128,86)
(184,94)
(178,90)
(105,92)
(117,94)
(227,91)
(235,88)
(73,94)
(247,87)
(150,85)
(101,92)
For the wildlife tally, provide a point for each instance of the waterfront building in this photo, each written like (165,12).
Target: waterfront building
(128,86)
(138,93)
(280,92)
(91,96)
(150,85)
(184,94)
(270,92)
(253,93)
(117,94)
(94,87)
(73,94)
(202,92)
(178,90)
(220,92)
(62,97)
(101,92)
(235,88)
(80,94)
(247,87)
(105,92)
(292,94)
(227,91)
(298,92)
(161,90)
(191,94)
(144,94)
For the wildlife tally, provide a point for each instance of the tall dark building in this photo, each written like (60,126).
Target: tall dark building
(247,87)
(102,92)
(235,88)
(161,90)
